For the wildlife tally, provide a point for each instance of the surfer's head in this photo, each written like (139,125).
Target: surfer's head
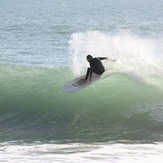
(89,58)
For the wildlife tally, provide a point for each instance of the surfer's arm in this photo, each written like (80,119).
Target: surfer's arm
(90,76)
(89,73)
(102,58)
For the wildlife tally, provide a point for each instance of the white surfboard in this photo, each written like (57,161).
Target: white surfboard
(77,84)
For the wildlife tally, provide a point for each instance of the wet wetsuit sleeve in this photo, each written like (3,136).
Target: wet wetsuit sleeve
(89,73)
(102,58)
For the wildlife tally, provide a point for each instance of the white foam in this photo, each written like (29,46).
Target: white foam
(132,53)
(78,152)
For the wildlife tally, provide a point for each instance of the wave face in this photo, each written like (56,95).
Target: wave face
(118,106)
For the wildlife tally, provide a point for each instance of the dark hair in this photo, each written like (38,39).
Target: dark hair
(89,56)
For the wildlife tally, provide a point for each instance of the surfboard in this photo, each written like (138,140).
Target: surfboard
(78,83)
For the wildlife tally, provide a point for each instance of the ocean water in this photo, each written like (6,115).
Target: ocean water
(43,45)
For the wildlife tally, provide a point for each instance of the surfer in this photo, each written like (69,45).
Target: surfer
(96,67)
(79,83)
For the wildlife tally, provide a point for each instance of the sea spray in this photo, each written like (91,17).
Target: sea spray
(134,55)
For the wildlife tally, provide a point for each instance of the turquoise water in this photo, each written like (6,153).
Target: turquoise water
(43,46)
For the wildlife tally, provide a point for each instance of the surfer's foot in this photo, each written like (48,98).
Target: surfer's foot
(81,81)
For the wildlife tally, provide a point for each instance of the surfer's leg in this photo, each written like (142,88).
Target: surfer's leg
(98,72)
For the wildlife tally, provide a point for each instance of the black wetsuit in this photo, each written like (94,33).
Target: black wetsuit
(96,67)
